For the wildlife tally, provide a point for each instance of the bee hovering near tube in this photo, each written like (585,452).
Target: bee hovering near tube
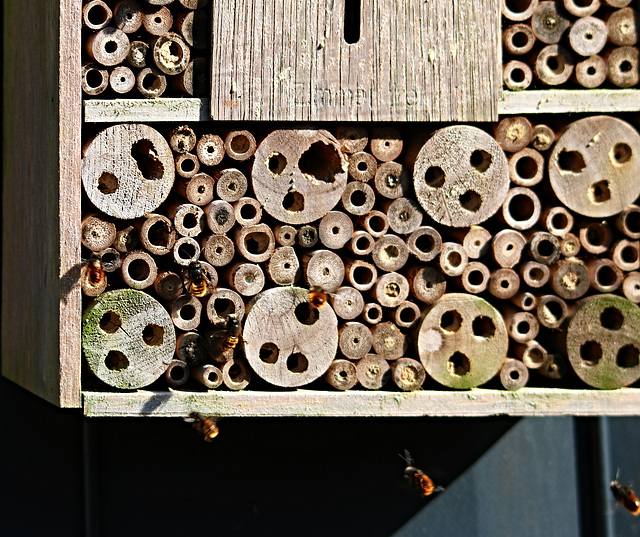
(197,282)
(95,270)
(626,497)
(318,297)
(422,481)
(233,336)
(208,427)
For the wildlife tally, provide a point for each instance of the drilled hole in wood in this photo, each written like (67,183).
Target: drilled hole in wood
(514,374)
(293,202)
(116,361)
(628,356)
(107,183)
(321,162)
(611,318)
(591,352)
(144,153)
(110,322)
(483,326)
(362,166)
(276,163)
(434,176)
(451,321)
(571,161)
(138,270)
(256,242)
(458,364)
(94,78)
(599,192)
(621,153)
(159,234)
(269,353)
(480,160)
(306,314)
(297,363)
(521,207)
(504,284)
(153,335)
(470,201)
(591,70)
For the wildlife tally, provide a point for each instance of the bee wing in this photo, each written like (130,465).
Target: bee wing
(406,457)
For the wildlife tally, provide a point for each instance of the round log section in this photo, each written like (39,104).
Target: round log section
(603,342)
(622,66)
(407,314)
(210,149)
(588,36)
(594,166)
(299,175)
(128,170)
(388,341)
(461,176)
(513,375)
(324,269)
(462,341)
(128,338)
(341,375)
(407,374)
(287,341)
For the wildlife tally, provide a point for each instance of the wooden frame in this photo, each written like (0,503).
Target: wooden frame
(41,299)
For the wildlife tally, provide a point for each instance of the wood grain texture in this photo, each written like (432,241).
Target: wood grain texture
(562,101)
(307,403)
(42,107)
(278,60)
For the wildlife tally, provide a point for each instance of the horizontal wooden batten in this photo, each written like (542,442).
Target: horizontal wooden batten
(511,102)
(307,403)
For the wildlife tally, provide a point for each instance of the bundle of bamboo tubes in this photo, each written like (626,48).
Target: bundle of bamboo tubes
(585,43)
(365,256)
(145,47)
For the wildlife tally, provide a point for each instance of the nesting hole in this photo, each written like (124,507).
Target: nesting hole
(240,144)
(553,311)
(629,254)
(597,234)
(306,313)
(377,224)
(190,221)
(458,364)
(475,277)
(470,201)
(483,326)
(362,275)
(454,259)
(116,361)
(110,322)
(514,374)
(138,270)
(606,276)
(293,202)
(451,321)
(321,161)
(187,164)
(151,82)
(269,353)
(591,352)
(256,242)
(521,207)
(186,250)
(110,47)
(560,221)
(144,153)
(297,363)
(517,6)
(625,66)
(363,243)
(526,167)
(187,312)
(177,372)
(632,221)
(276,163)
(392,290)
(628,356)
(599,191)
(621,153)
(535,355)
(223,307)
(159,234)
(480,160)
(362,166)
(519,40)
(153,335)
(556,64)
(408,315)
(248,211)
(571,161)
(545,248)
(236,373)
(97,15)
(517,75)
(434,176)
(94,78)
(611,318)
(107,183)
(358,198)
(591,70)
(425,243)
(523,327)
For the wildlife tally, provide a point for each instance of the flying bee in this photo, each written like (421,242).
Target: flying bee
(198,283)
(626,497)
(422,481)
(232,338)
(317,296)
(208,427)
(95,270)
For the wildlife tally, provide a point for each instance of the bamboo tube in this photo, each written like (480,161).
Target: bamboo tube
(390,290)
(247,279)
(554,65)
(347,302)
(596,237)
(582,8)
(193,27)
(631,287)
(188,220)
(307,236)
(352,138)
(108,47)
(507,246)
(323,269)
(393,180)
(404,215)
(548,23)
(341,375)
(513,375)
(284,267)
(186,311)
(517,75)
(182,139)
(388,341)
(195,79)
(504,283)
(255,243)
(513,134)
(110,259)
(221,304)
(521,208)
(122,80)
(358,198)
(372,313)
(158,22)
(406,315)
(373,372)
(626,255)
(361,243)
(138,270)
(519,11)
(570,245)
(335,229)
(551,311)
(557,220)
(525,300)
(543,137)
(390,253)
(360,274)
(476,241)
(187,165)
(208,375)
(362,166)
(570,279)
(248,211)
(240,145)
(151,83)
(128,16)
(192,348)
(425,243)
(186,250)
(407,374)
(126,239)
(220,216)
(236,375)
(285,235)
(194,4)
(157,234)
(210,149)
(93,281)
(137,55)
(606,277)
(532,354)
(198,189)
(95,79)
(555,367)
(544,247)
(97,233)
(168,285)
(453,259)
(386,143)
(518,39)
(534,274)
(375,223)
(427,283)
(96,15)
(522,326)
(475,277)
(177,374)
(354,340)
(526,167)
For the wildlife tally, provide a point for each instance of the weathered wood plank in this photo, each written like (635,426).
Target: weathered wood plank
(565,101)
(41,198)
(145,110)
(307,403)
(282,60)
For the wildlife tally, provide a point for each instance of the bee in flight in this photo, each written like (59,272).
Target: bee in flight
(626,497)
(95,270)
(198,283)
(232,338)
(422,481)
(208,427)
(318,297)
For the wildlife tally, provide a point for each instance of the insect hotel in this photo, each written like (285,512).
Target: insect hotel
(327,208)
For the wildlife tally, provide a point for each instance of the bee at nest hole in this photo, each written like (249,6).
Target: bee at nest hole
(95,270)
(422,481)
(207,427)
(197,281)
(318,297)
(233,333)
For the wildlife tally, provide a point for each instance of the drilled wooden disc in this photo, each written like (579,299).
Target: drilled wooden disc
(299,175)
(128,170)
(128,338)
(594,166)
(461,176)
(603,342)
(462,341)
(286,341)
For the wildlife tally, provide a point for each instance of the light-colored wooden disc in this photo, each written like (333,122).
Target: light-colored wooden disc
(128,170)
(594,166)
(287,341)
(128,338)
